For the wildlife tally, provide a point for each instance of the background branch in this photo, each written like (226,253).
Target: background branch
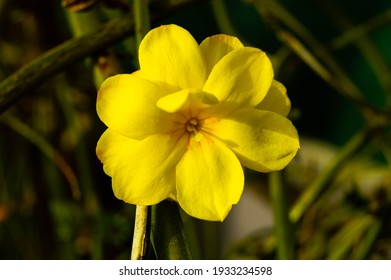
(54,61)
(29,77)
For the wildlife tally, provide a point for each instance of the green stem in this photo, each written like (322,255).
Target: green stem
(167,232)
(283,227)
(370,239)
(141,19)
(316,188)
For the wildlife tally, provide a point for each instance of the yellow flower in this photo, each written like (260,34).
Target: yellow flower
(184,124)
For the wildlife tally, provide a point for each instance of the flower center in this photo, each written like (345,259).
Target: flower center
(193,126)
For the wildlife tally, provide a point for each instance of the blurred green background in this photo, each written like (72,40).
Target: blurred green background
(334,58)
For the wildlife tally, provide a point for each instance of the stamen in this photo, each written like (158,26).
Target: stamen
(190,128)
(191,125)
(193,121)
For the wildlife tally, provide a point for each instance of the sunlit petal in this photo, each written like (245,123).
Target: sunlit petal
(215,47)
(124,103)
(143,172)
(209,180)
(262,140)
(170,54)
(111,147)
(243,76)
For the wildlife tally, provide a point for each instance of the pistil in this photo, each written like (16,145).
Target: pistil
(192,126)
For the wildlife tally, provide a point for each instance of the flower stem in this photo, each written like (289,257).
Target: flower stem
(140,233)
(283,227)
(141,19)
(167,233)
(316,188)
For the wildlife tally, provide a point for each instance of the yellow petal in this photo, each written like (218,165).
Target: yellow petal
(127,104)
(170,54)
(209,180)
(262,140)
(143,172)
(187,99)
(215,47)
(111,147)
(243,76)
(276,100)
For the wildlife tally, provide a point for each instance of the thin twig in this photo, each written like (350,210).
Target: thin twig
(361,30)
(364,43)
(280,19)
(318,59)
